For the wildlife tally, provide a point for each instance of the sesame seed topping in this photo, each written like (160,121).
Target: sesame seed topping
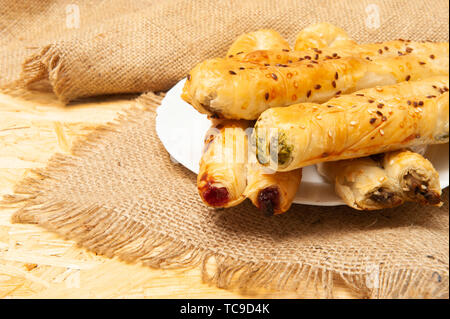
(409,50)
(409,102)
(379,113)
(240,52)
(317,87)
(372,120)
(335,55)
(421,63)
(368,58)
(274,76)
(432,56)
(310,66)
(338,92)
(370,101)
(316,57)
(336,76)
(386,48)
(359,94)
(232,72)
(330,105)
(384,118)
(431,96)
(266,96)
(307,57)
(308,94)
(285,50)
(408,77)
(380,51)
(189,77)
(267,64)
(230,56)
(420,103)
(381,132)
(333,84)
(241,68)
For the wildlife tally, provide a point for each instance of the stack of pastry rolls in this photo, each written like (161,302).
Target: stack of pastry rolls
(356,101)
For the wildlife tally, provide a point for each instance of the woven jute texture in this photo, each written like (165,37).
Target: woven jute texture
(119,193)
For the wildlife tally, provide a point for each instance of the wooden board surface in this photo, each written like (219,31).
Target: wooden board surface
(35,263)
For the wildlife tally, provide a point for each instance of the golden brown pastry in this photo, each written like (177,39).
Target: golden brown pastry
(222,176)
(367,122)
(415,175)
(265,39)
(362,184)
(321,35)
(234,89)
(274,192)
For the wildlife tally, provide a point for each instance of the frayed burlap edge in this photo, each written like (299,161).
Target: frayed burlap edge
(45,64)
(130,241)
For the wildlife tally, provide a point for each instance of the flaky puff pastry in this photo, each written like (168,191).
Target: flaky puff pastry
(362,184)
(367,122)
(265,39)
(222,176)
(415,175)
(273,192)
(321,35)
(235,89)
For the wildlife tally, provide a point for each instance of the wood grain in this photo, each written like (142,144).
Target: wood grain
(35,263)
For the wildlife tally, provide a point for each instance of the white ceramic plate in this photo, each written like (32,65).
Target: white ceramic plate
(182,129)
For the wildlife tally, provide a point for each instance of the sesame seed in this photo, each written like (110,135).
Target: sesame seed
(285,50)
(267,64)
(432,56)
(431,96)
(380,51)
(240,52)
(336,76)
(232,72)
(384,118)
(335,55)
(359,94)
(241,68)
(386,48)
(266,96)
(274,76)
(189,77)
(316,57)
(308,94)
(353,123)
(370,101)
(381,132)
(420,103)
(409,50)
(409,102)
(367,58)
(317,87)
(408,77)
(310,66)
(333,84)
(372,120)
(421,63)
(307,57)
(230,56)
(338,92)
(379,113)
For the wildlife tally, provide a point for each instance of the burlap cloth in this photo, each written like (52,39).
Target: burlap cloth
(119,194)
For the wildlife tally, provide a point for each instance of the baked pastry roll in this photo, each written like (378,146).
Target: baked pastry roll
(274,192)
(362,184)
(415,175)
(234,89)
(321,35)
(222,176)
(265,39)
(367,122)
